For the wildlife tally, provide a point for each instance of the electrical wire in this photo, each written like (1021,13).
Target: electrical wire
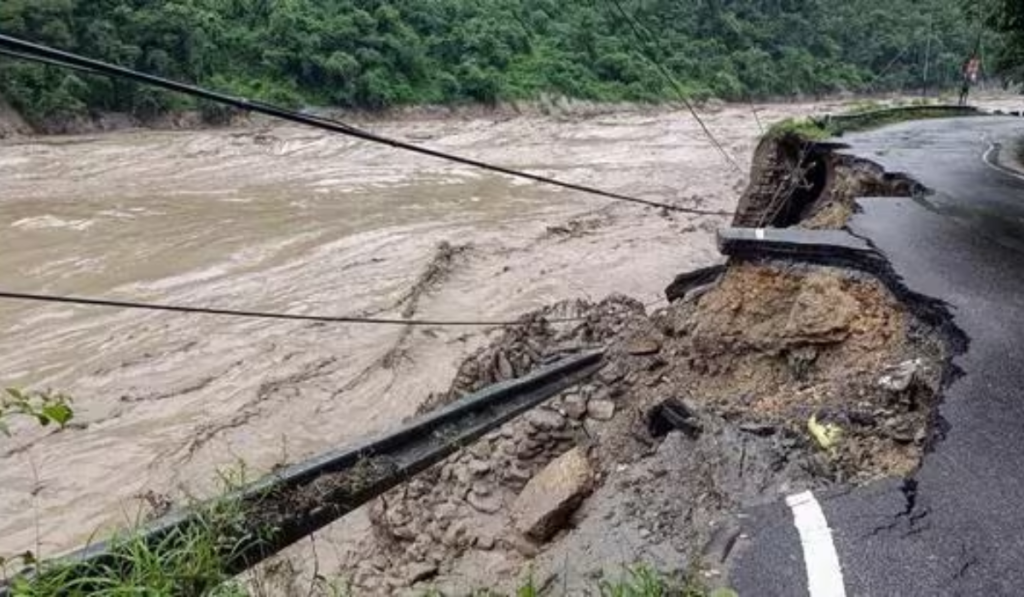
(132,305)
(25,50)
(646,39)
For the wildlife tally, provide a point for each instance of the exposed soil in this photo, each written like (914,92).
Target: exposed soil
(759,380)
(797,182)
(852,178)
(703,408)
(743,366)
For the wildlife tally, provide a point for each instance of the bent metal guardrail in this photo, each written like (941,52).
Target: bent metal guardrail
(301,499)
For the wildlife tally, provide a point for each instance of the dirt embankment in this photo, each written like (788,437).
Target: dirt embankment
(763,379)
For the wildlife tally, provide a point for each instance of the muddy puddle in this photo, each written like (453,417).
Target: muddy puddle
(287,219)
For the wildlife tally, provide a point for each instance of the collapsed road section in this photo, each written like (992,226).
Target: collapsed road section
(802,364)
(953,527)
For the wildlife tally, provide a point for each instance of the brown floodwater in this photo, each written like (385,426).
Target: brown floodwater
(287,219)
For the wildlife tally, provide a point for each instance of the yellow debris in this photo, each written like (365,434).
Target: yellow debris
(827,435)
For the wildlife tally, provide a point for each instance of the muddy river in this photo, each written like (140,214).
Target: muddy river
(292,220)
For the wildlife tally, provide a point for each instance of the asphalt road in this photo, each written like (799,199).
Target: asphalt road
(957,526)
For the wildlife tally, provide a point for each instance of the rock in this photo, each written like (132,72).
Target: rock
(565,435)
(673,415)
(463,475)
(601,409)
(481,489)
(643,346)
(899,378)
(484,504)
(484,542)
(543,419)
(527,449)
(505,367)
(479,468)
(397,517)
(611,373)
(417,489)
(525,547)
(435,531)
(482,450)
(415,573)
(575,406)
(508,447)
(516,474)
(404,533)
(452,537)
(550,498)
(445,511)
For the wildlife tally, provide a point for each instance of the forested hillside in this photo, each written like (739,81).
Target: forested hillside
(1007,17)
(379,53)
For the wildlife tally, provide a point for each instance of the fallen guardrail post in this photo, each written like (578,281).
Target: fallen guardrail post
(301,499)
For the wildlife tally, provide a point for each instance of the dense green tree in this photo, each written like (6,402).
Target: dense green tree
(379,53)
(1006,17)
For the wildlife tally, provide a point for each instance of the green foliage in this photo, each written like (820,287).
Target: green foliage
(805,128)
(189,560)
(48,408)
(380,53)
(1006,17)
(643,581)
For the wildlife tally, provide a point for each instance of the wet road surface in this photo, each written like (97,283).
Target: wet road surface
(956,527)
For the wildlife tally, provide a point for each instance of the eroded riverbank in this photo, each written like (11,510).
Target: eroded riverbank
(288,219)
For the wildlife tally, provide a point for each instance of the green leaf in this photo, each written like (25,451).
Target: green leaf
(59,413)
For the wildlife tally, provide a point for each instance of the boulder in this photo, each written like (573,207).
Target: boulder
(601,409)
(543,419)
(550,498)
(415,573)
(483,504)
(643,346)
(899,378)
(575,406)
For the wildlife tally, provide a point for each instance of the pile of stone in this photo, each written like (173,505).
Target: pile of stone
(512,490)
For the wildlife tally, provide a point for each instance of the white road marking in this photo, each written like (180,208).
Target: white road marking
(759,234)
(987,159)
(824,575)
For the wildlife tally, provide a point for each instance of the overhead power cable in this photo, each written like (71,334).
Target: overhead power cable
(25,50)
(107,303)
(647,41)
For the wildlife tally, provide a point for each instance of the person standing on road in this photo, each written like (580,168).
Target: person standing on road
(969,72)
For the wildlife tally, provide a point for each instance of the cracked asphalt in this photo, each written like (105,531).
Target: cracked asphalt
(956,527)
